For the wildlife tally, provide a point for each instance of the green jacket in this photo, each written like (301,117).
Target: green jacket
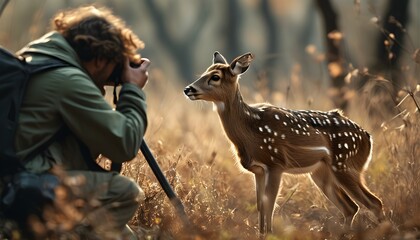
(67,96)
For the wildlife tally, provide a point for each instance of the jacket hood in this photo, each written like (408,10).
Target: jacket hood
(51,45)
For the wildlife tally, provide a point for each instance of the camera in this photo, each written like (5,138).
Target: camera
(116,74)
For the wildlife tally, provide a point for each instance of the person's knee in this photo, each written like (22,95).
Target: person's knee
(129,190)
(137,193)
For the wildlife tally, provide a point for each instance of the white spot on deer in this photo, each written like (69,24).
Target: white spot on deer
(319,121)
(339,146)
(276,117)
(260,128)
(220,106)
(285,123)
(275,133)
(269,147)
(346,145)
(283,136)
(318,148)
(313,121)
(268,128)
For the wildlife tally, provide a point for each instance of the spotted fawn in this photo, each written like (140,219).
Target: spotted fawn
(270,141)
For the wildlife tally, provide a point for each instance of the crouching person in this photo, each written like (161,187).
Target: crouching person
(69,100)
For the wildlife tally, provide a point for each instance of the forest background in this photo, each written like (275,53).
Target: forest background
(293,68)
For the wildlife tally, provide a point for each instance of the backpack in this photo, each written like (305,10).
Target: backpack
(20,185)
(15,71)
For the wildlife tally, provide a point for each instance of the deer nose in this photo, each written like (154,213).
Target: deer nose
(189,89)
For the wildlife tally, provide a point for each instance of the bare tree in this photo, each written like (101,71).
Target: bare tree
(334,56)
(3,6)
(232,28)
(272,41)
(390,42)
(181,49)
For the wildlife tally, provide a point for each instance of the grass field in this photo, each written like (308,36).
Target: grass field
(219,196)
(188,142)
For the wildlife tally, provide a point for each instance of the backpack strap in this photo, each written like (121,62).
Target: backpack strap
(90,162)
(49,64)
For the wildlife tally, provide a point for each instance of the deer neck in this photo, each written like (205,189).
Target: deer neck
(234,117)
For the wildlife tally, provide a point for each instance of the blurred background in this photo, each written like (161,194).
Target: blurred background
(287,37)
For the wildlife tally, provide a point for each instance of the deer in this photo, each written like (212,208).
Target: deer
(269,141)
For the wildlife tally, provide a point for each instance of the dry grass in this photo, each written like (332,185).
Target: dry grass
(219,197)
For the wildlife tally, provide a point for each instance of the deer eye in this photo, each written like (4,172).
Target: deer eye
(215,78)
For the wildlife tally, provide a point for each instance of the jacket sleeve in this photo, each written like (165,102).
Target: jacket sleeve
(116,135)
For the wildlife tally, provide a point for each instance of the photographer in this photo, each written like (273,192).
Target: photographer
(93,42)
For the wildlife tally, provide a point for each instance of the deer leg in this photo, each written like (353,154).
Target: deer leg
(260,185)
(270,196)
(327,183)
(352,183)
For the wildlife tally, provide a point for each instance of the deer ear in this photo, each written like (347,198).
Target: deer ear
(241,63)
(218,58)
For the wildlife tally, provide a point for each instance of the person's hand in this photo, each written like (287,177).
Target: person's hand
(137,75)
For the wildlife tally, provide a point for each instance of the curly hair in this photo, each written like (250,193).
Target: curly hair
(96,33)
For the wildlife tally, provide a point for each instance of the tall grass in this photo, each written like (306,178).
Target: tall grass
(219,196)
(189,143)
